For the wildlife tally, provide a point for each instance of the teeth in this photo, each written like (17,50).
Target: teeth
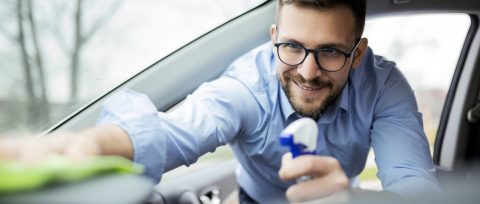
(307,88)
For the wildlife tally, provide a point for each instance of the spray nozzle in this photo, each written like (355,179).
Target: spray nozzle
(300,136)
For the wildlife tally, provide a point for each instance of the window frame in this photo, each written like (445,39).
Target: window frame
(454,154)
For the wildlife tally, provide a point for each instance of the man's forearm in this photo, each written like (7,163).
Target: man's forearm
(111,140)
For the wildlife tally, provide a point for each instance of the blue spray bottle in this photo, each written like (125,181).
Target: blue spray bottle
(301,137)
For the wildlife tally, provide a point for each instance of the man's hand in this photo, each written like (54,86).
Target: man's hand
(328,177)
(34,149)
(100,140)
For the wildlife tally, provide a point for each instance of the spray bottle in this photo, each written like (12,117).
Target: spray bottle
(301,137)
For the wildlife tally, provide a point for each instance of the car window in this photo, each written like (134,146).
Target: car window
(426,51)
(57,56)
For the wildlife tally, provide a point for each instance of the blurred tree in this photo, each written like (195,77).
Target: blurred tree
(37,102)
(81,37)
(32,57)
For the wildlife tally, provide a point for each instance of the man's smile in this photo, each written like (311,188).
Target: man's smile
(308,89)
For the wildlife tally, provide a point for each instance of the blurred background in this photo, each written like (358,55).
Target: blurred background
(57,55)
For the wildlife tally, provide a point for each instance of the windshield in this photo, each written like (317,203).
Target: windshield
(58,55)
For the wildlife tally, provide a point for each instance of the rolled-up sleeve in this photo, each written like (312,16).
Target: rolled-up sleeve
(210,117)
(137,115)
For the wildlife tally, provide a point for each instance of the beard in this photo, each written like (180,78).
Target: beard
(308,106)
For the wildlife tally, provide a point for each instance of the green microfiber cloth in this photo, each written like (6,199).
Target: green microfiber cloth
(19,176)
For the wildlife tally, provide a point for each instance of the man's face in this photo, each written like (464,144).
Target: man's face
(309,89)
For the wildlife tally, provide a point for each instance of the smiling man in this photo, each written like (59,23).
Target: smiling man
(313,78)
(317,65)
(317,44)
(319,51)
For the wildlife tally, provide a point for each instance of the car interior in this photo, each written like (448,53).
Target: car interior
(457,147)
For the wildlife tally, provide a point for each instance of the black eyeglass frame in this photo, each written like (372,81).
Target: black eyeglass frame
(315,52)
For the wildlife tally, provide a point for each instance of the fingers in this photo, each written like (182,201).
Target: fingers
(82,148)
(319,187)
(9,148)
(35,149)
(328,176)
(307,165)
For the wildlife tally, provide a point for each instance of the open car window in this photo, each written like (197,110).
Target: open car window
(427,54)
(57,56)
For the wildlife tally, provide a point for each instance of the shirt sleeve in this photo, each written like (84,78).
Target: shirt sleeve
(136,114)
(206,119)
(401,149)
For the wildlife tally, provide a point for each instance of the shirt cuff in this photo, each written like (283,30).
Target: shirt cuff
(137,115)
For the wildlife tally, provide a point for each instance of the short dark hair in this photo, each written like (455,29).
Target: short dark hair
(358,8)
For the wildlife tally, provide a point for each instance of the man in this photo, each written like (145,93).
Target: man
(317,65)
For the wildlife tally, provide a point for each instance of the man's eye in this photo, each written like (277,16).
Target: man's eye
(331,52)
(293,46)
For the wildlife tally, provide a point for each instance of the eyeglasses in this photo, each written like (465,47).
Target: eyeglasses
(327,59)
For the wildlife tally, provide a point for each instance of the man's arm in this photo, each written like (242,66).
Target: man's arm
(98,140)
(402,152)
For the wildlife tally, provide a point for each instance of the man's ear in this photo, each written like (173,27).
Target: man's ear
(273,33)
(360,52)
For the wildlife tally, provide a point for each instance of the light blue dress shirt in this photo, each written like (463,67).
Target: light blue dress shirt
(247,108)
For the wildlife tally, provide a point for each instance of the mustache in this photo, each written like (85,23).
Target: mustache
(315,83)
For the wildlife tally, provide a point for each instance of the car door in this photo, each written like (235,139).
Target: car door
(236,27)
(457,145)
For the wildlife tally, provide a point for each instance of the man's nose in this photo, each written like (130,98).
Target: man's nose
(309,68)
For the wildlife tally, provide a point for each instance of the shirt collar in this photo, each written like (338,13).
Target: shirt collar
(344,97)
(286,107)
(340,106)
